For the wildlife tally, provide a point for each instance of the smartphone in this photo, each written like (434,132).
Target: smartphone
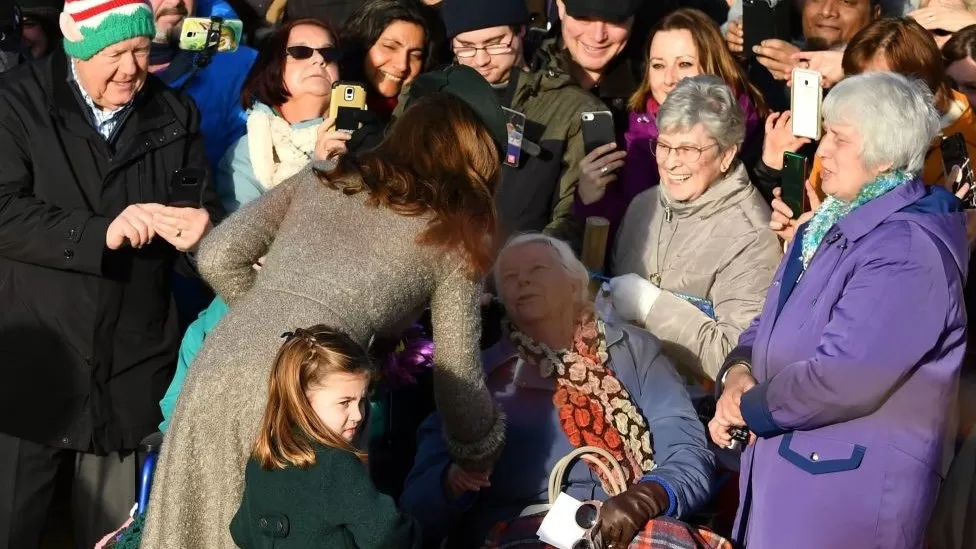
(186,188)
(793,180)
(195,34)
(764,20)
(806,97)
(955,153)
(597,130)
(347,97)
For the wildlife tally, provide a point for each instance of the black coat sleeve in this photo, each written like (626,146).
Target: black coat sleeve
(32,230)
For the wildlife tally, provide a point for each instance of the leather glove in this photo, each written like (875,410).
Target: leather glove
(633,296)
(624,515)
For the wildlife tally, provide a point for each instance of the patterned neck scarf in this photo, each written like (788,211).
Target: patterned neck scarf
(594,407)
(834,209)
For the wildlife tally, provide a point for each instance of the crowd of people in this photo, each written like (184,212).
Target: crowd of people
(398,322)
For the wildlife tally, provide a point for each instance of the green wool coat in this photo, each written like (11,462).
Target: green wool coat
(331,504)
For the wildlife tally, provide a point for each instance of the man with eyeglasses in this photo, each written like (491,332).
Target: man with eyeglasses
(545,138)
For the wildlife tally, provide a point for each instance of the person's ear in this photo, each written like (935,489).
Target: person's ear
(728,157)
(561,8)
(876,12)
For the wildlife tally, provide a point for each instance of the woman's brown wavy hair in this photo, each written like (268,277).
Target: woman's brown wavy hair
(437,158)
(290,426)
(908,49)
(714,58)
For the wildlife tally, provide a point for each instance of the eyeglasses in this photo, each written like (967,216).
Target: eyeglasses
(466,52)
(330,54)
(686,153)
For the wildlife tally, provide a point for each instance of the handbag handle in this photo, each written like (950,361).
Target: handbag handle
(590,454)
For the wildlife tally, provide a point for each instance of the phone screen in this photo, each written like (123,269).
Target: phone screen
(955,153)
(195,33)
(793,179)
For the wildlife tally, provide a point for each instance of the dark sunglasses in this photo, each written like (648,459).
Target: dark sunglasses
(330,54)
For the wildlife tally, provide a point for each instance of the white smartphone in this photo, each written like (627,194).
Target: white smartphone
(806,97)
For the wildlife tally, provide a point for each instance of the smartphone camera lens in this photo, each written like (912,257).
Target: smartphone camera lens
(350,94)
(806,82)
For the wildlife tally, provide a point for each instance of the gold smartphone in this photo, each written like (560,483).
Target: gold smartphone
(347,97)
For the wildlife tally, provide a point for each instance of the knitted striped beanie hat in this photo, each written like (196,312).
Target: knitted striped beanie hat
(89,26)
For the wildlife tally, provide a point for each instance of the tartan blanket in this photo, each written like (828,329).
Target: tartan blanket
(659,533)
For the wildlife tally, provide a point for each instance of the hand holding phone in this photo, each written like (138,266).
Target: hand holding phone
(348,98)
(196,30)
(764,20)
(792,182)
(598,168)
(955,154)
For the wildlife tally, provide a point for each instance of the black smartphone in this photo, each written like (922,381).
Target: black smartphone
(955,153)
(597,130)
(764,20)
(793,179)
(186,187)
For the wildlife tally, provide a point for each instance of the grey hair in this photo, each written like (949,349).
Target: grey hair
(895,115)
(707,100)
(564,254)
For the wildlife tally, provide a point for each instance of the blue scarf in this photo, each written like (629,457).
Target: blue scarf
(834,209)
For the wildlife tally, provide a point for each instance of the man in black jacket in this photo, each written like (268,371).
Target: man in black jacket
(89,145)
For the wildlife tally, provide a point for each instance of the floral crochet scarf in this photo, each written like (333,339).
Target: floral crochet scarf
(834,209)
(594,407)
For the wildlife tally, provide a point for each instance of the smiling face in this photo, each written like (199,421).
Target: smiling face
(833,23)
(843,172)
(672,56)
(963,73)
(113,76)
(495,67)
(534,285)
(312,76)
(593,43)
(340,402)
(684,176)
(396,58)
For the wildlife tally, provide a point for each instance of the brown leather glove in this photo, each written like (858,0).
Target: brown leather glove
(623,515)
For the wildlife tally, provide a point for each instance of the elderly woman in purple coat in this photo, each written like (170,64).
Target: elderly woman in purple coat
(847,377)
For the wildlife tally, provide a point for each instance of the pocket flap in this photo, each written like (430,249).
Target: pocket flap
(819,456)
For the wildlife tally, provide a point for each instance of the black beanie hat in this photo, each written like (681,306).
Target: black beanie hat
(469,86)
(468,15)
(616,11)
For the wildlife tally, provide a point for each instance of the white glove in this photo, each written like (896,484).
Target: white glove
(633,296)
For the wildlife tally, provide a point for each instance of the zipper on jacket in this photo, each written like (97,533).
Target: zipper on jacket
(667,213)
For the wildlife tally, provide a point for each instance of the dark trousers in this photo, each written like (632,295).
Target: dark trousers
(58,495)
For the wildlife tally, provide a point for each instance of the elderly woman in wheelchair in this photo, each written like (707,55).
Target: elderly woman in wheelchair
(566,381)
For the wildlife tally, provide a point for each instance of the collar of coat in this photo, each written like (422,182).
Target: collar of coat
(731,189)
(504,351)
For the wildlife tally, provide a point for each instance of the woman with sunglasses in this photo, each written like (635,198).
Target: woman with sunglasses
(287,95)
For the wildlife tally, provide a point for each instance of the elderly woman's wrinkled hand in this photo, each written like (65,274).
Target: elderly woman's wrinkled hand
(827,63)
(780,139)
(597,170)
(727,410)
(330,143)
(949,183)
(735,37)
(458,482)
(781,221)
(777,57)
(633,296)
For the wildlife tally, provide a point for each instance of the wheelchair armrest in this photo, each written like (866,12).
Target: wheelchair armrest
(152,443)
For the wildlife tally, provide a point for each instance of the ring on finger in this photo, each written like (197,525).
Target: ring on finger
(604,170)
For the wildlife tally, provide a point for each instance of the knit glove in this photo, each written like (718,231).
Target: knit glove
(633,296)
(624,515)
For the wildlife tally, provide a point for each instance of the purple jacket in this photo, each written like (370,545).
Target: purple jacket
(640,168)
(858,365)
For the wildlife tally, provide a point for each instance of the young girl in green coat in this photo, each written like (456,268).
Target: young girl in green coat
(306,485)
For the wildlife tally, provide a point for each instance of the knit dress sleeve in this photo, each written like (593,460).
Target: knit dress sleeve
(228,253)
(473,428)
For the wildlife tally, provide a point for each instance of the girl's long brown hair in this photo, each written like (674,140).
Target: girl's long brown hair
(438,158)
(908,49)
(714,57)
(290,426)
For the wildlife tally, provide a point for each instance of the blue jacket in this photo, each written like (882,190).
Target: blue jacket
(535,442)
(215,89)
(857,365)
(235,180)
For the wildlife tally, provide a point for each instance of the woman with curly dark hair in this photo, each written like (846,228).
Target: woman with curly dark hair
(364,250)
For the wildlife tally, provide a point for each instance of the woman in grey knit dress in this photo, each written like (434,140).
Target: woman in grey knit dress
(389,232)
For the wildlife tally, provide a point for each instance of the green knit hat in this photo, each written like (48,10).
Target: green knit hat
(90,26)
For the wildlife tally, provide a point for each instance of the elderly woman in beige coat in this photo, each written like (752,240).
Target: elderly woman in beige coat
(694,256)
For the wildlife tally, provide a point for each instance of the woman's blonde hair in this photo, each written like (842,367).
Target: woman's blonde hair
(290,426)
